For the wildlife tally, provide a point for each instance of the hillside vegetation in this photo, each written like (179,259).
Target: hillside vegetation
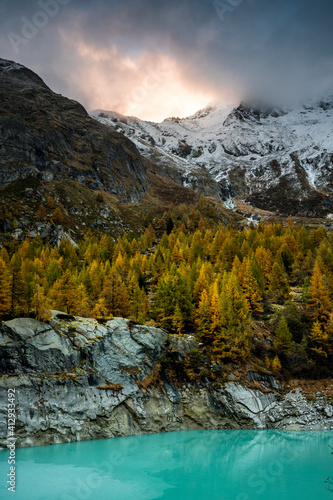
(259,295)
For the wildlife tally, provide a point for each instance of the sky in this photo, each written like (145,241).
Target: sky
(160,58)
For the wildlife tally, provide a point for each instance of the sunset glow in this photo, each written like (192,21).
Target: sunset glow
(153,87)
(160,59)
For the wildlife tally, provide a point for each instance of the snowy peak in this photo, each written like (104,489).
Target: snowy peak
(276,158)
(211,117)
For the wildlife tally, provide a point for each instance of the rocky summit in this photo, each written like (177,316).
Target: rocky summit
(76,379)
(278,160)
(50,137)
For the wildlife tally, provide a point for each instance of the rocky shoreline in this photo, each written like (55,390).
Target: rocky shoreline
(76,379)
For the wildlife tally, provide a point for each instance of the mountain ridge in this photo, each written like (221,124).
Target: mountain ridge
(250,152)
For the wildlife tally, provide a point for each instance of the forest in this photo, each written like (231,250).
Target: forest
(257,292)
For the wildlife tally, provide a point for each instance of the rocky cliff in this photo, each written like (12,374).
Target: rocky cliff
(76,379)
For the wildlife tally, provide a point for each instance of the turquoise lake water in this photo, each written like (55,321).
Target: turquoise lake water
(191,465)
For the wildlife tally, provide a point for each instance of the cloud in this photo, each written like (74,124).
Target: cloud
(148,84)
(155,59)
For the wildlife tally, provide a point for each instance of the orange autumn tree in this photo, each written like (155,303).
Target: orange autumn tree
(318,340)
(319,303)
(232,342)
(251,289)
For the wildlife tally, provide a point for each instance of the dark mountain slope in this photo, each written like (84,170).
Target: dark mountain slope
(54,156)
(50,137)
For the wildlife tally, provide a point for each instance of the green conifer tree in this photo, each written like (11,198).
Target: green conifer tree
(283,337)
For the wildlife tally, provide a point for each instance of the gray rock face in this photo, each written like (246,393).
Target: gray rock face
(29,346)
(75,379)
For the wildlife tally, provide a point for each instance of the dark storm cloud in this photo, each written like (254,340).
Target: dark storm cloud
(273,49)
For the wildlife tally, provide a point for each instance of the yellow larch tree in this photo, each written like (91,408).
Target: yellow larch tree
(5,289)
(319,303)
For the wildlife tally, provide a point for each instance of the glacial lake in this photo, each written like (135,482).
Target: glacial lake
(189,465)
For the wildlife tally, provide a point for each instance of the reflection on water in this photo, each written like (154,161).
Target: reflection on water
(192,465)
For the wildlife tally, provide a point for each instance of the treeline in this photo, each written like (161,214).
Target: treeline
(214,282)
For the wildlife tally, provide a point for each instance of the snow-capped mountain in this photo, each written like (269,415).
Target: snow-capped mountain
(274,159)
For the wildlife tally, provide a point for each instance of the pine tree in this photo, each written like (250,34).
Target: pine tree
(251,289)
(215,309)
(264,260)
(172,289)
(82,307)
(319,304)
(283,337)
(57,216)
(18,289)
(318,340)
(41,213)
(50,202)
(216,245)
(329,330)
(237,267)
(276,364)
(177,321)
(64,293)
(233,340)
(115,296)
(40,301)
(5,289)
(53,271)
(139,304)
(278,284)
(201,284)
(18,209)
(100,310)
(177,254)
(268,363)
(4,255)
(204,333)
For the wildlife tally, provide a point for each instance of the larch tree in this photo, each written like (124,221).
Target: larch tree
(41,213)
(279,288)
(178,321)
(115,296)
(251,289)
(41,303)
(319,303)
(215,309)
(204,280)
(82,306)
(57,216)
(264,259)
(233,340)
(318,340)
(18,292)
(203,324)
(139,304)
(5,289)
(276,364)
